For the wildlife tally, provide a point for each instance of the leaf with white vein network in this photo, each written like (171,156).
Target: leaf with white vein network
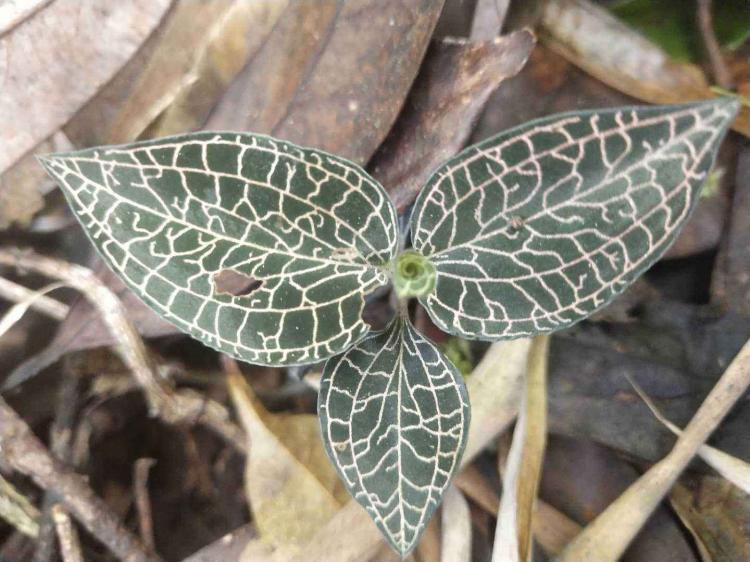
(310,233)
(394,414)
(536,228)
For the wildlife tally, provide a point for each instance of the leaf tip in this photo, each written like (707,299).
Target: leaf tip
(48,161)
(45,160)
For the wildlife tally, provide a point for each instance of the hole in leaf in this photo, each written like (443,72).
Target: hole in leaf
(516,223)
(235,283)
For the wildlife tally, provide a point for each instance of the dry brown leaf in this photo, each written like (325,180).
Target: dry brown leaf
(452,87)
(456,524)
(290,484)
(24,184)
(180,86)
(717,515)
(177,75)
(607,537)
(59,58)
(92,124)
(332,74)
(428,549)
(513,535)
(350,536)
(592,38)
(13,12)
(681,500)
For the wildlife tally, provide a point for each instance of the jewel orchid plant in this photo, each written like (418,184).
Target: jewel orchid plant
(524,233)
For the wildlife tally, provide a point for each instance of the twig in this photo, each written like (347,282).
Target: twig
(17,510)
(607,537)
(733,469)
(61,437)
(70,546)
(14,292)
(185,406)
(143,502)
(26,454)
(131,349)
(14,314)
(719,67)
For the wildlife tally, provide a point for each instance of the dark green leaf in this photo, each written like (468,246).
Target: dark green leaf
(538,227)
(259,248)
(394,414)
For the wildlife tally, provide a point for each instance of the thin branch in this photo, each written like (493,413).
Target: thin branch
(27,455)
(143,502)
(14,292)
(61,437)
(607,537)
(719,67)
(17,510)
(131,350)
(185,406)
(70,546)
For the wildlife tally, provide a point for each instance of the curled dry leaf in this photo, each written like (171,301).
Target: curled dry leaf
(332,75)
(451,89)
(54,74)
(513,535)
(292,488)
(456,527)
(592,38)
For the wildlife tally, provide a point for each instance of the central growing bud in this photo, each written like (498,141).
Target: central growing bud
(414,276)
